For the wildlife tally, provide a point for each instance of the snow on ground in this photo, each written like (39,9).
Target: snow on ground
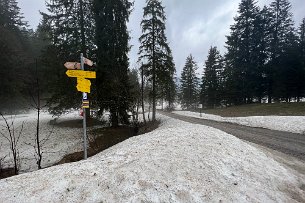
(294,124)
(178,162)
(61,140)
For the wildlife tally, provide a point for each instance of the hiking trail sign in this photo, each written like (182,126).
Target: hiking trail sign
(83,85)
(76,70)
(81,74)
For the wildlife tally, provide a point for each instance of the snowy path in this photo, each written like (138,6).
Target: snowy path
(288,143)
(178,162)
(293,124)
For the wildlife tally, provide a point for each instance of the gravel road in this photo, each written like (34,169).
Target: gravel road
(289,143)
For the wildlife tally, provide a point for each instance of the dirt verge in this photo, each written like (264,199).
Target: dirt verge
(103,138)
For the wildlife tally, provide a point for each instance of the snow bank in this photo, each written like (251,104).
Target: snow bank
(294,124)
(59,140)
(178,162)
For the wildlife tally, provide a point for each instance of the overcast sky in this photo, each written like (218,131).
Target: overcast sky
(192,26)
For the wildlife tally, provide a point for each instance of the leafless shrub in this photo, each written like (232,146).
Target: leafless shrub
(13,138)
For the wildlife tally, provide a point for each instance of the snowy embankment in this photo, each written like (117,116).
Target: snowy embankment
(178,162)
(57,141)
(294,124)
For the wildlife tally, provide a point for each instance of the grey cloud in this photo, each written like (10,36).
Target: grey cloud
(192,25)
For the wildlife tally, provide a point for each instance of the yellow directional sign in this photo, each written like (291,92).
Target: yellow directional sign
(83,85)
(81,74)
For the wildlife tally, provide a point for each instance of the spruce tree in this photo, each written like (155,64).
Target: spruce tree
(212,79)
(154,50)
(232,74)
(301,54)
(112,37)
(301,33)
(282,37)
(71,29)
(14,54)
(10,15)
(240,45)
(166,88)
(261,53)
(189,90)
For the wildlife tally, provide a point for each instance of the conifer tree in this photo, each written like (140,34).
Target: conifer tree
(240,46)
(301,53)
(10,15)
(281,37)
(301,34)
(166,88)
(112,37)
(211,88)
(261,53)
(13,57)
(154,50)
(232,74)
(71,29)
(189,90)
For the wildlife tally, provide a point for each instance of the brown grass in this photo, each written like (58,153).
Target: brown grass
(280,109)
(107,137)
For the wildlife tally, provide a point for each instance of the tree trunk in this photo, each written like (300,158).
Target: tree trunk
(38,118)
(154,69)
(114,118)
(142,94)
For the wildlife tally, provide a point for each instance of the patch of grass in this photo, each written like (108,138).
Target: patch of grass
(279,109)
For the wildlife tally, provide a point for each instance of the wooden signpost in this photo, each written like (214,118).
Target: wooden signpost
(76,70)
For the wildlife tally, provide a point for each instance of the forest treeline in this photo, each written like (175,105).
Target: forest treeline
(264,59)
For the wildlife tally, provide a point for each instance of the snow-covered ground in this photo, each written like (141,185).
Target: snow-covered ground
(294,124)
(60,140)
(178,162)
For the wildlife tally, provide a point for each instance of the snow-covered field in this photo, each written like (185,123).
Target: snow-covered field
(294,124)
(61,140)
(178,162)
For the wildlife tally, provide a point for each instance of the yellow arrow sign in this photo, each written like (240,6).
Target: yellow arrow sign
(81,74)
(83,85)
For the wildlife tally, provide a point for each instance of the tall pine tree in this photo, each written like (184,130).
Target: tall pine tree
(71,29)
(154,50)
(14,55)
(281,38)
(261,53)
(301,34)
(189,90)
(112,41)
(211,89)
(240,46)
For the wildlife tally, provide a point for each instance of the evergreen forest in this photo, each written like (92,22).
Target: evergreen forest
(263,61)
